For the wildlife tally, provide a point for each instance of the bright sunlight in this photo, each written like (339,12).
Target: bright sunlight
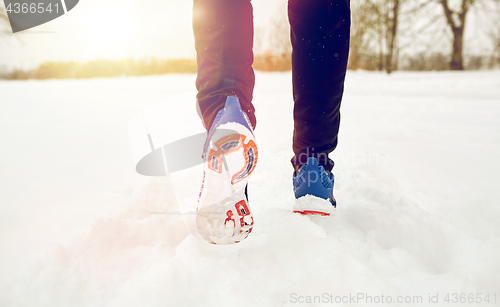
(110,31)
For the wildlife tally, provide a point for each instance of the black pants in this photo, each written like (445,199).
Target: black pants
(223,32)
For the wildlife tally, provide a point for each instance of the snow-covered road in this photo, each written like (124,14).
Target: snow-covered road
(418,177)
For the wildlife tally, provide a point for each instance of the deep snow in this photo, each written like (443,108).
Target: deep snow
(417,190)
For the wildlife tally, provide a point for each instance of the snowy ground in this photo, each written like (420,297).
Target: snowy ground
(417,190)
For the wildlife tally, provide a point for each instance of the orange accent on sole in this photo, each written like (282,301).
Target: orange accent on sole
(216,155)
(251,144)
(305,212)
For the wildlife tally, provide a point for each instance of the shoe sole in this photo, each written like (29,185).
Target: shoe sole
(312,212)
(312,205)
(224,216)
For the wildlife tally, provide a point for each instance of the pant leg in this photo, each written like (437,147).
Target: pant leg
(223,31)
(320,39)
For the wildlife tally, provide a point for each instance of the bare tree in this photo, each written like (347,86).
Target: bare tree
(364,22)
(493,34)
(274,38)
(456,21)
(5,31)
(272,46)
(4,20)
(373,34)
(280,36)
(495,56)
(392,26)
(4,25)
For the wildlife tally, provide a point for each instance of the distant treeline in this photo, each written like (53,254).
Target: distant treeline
(265,62)
(131,67)
(103,68)
(273,62)
(422,61)
(434,61)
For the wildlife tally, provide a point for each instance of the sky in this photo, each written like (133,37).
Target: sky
(115,29)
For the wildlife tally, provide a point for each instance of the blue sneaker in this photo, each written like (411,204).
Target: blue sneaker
(230,155)
(313,188)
